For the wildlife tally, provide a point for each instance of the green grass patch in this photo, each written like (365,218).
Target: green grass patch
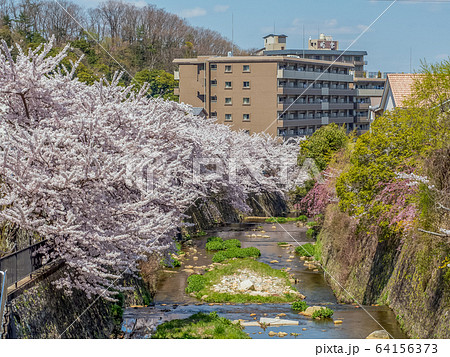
(323,313)
(195,283)
(286,219)
(200,326)
(217,243)
(214,239)
(299,305)
(201,285)
(214,245)
(305,250)
(236,253)
(282,243)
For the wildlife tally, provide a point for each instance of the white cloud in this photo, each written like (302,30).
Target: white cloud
(187,13)
(141,3)
(221,8)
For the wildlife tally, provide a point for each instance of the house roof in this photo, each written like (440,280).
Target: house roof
(401,86)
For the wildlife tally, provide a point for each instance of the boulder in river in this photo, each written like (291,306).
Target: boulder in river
(246,285)
(379,334)
(277,322)
(310,310)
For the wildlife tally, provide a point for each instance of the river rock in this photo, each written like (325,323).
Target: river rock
(250,324)
(274,261)
(246,285)
(337,322)
(277,322)
(282,334)
(189,270)
(271,333)
(310,310)
(379,334)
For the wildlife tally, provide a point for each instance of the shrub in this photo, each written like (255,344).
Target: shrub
(302,218)
(311,224)
(299,306)
(214,245)
(310,233)
(323,313)
(231,243)
(195,283)
(323,144)
(305,250)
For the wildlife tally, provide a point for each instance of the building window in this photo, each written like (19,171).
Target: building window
(245,101)
(214,98)
(228,85)
(228,69)
(246,117)
(247,132)
(213,114)
(214,82)
(228,101)
(246,84)
(246,68)
(228,117)
(213,67)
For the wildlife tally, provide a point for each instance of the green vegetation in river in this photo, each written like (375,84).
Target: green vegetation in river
(200,326)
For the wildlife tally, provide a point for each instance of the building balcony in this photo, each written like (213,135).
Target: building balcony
(315,121)
(369,92)
(363,119)
(176,75)
(362,106)
(176,91)
(315,106)
(323,76)
(315,91)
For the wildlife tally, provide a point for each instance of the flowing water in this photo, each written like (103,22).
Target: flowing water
(172,303)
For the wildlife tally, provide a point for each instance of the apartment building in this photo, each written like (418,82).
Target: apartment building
(280,95)
(368,92)
(323,49)
(282,92)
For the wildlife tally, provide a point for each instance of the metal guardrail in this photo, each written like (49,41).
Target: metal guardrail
(22,263)
(3,293)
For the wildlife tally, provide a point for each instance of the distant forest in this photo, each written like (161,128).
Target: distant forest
(144,40)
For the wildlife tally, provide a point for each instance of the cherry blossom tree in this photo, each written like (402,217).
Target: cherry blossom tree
(107,174)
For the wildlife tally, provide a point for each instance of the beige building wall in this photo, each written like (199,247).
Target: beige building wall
(204,78)
(262,107)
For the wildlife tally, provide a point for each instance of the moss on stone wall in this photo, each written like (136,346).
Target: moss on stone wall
(407,275)
(46,312)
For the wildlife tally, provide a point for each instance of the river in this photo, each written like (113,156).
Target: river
(172,303)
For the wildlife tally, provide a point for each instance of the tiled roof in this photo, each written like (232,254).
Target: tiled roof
(401,86)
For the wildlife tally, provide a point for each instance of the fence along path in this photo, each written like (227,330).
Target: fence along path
(22,263)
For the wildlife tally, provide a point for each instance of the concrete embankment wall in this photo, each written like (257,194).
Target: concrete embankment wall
(404,274)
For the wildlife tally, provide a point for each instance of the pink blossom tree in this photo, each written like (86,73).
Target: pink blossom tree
(106,174)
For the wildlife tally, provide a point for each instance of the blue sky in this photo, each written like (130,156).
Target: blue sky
(417,27)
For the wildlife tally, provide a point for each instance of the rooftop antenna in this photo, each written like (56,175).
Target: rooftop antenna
(232,33)
(303,40)
(274,31)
